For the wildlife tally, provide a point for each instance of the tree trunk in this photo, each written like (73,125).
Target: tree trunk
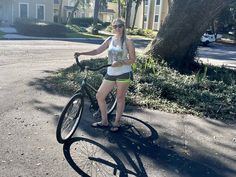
(119,7)
(95,17)
(72,13)
(178,38)
(60,12)
(128,13)
(138,2)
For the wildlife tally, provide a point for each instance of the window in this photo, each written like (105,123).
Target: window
(23,11)
(156,18)
(157,2)
(146,2)
(56,1)
(40,12)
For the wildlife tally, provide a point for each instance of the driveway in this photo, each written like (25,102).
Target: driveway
(154,143)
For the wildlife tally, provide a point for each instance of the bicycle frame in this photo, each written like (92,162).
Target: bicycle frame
(85,85)
(84,90)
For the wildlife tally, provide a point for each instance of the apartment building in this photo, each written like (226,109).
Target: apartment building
(151,14)
(38,9)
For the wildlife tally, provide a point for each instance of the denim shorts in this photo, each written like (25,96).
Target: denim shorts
(126,77)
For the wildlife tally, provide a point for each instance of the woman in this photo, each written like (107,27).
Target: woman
(121,54)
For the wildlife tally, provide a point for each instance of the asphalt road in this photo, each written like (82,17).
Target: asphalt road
(29,114)
(218,54)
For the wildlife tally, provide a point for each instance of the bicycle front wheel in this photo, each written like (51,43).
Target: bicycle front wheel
(70,118)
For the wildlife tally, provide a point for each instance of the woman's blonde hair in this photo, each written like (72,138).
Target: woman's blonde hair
(121,21)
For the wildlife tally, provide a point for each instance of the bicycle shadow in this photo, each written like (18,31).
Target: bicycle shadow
(140,138)
(89,158)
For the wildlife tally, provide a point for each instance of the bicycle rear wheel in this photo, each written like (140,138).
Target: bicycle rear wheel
(70,118)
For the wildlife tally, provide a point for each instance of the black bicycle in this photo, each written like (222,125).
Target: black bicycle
(72,112)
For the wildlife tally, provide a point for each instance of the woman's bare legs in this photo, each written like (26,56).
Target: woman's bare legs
(122,88)
(102,93)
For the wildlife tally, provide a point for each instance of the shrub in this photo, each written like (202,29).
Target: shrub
(142,32)
(75,28)
(33,27)
(84,22)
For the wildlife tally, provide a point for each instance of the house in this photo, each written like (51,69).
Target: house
(37,9)
(151,14)
(109,13)
(84,9)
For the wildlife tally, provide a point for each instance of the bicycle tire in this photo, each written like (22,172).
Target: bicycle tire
(89,158)
(72,112)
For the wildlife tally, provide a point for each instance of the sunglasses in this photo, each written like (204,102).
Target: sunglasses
(118,26)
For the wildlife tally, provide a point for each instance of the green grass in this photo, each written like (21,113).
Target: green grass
(210,92)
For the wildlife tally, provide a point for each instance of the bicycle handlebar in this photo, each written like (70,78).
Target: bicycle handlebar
(88,68)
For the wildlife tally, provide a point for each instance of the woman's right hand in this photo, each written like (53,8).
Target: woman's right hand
(116,64)
(77,54)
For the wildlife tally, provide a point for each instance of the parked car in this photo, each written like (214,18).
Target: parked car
(208,37)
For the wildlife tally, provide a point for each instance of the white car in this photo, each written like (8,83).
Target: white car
(208,38)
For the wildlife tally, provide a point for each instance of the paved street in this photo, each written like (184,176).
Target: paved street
(153,144)
(218,54)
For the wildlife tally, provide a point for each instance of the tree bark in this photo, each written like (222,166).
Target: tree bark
(95,17)
(178,37)
(60,12)
(128,13)
(138,2)
(119,7)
